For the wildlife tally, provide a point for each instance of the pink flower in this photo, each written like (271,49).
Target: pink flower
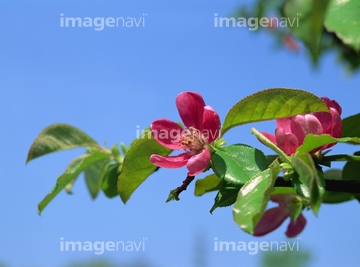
(290,132)
(203,127)
(274,217)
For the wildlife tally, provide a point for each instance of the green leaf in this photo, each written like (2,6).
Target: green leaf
(310,177)
(343,19)
(238,163)
(253,198)
(109,184)
(72,173)
(208,184)
(137,166)
(226,196)
(94,175)
(333,174)
(58,137)
(351,126)
(336,197)
(300,188)
(74,163)
(271,104)
(309,16)
(312,142)
(296,208)
(351,170)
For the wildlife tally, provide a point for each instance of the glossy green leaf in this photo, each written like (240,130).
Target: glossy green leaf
(296,208)
(272,104)
(208,184)
(351,126)
(73,163)
(238,163)
(94,175)
(109,184)
(310,177)
(312,142)
(309,16)
(137,166)
(72,173)
(343,19)
(58,137)
(253,198)
(226,196)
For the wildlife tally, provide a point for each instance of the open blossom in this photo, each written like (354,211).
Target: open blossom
(274,217)
(290,132)
(202,128)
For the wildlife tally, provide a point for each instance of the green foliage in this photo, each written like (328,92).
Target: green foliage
(343,19)
(272,104)
(351,126)
(71,173)
(311,16)
(321,26)
(208,184)
(58,137)
(137,166)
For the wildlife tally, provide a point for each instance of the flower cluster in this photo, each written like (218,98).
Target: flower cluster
(290,132)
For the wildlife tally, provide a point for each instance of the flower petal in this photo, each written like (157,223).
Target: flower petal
(285,124)
(211,124)
(287,142)
(167,133)
(301,125)
(191,109)
(295,229)
(332,104)
(271,219)
(170,161)
(199,162)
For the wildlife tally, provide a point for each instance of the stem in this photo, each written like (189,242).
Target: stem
(330,185)
(174,194)
(271,145)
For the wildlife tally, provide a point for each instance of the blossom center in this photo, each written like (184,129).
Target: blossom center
(193,141)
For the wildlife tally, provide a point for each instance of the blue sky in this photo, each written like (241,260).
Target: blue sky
(109,82)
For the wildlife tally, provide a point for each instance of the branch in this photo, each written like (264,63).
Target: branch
(174,194)
(330,185)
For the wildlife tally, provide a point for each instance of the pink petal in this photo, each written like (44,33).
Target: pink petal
(199,162)
(332,104)
(301,125)
(288,142)
(170,161)
(211,124)
(295,229)
(191,109)
(167,133)
(285,124)
(271,219)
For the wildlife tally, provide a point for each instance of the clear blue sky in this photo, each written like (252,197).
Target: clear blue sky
(109,82)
